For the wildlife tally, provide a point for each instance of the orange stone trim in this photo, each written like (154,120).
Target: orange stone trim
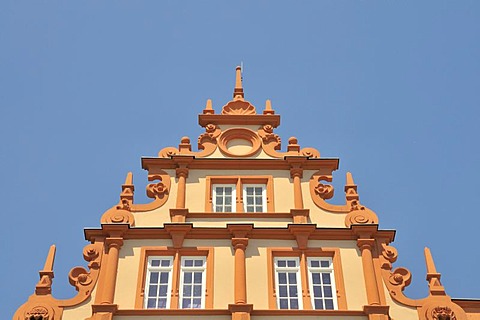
(334,253)
(239,246)
(277,233)
(42,304)
(239,133)
(207,252)
(239,181)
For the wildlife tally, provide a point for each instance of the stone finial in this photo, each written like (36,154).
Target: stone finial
(433,277)
(44,286)
(268,108)
(238,91)
(208,108)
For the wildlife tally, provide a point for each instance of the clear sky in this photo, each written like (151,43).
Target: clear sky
(389,87)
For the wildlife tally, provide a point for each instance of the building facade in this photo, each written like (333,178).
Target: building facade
(241,230)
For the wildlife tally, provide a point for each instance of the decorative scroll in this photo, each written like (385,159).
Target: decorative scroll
(41,305)
(360,215)
(437,306)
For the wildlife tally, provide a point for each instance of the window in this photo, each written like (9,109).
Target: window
(287,274)
(239,194)
(175,278)
(254,198)
(223,195)
(306,279)
(159,282)
(321,283)
(192,283)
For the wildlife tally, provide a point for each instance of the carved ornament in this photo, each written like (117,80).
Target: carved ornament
(433,307)
(42,305)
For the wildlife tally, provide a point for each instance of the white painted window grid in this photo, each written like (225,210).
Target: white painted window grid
(158,282)
(288,283)
(224,197)
(322,283)
(192,282)
(254,198)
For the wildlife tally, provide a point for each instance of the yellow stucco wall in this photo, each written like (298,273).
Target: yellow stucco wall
(81,311)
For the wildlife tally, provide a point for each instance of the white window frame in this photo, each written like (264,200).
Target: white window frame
(264,196)
(159,269)
(214,197)
(295,270)
(194,268)
(322,270)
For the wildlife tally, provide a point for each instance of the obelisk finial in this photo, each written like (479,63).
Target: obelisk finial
(238,91)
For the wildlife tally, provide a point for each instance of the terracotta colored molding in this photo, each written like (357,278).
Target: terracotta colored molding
(182,175)
(239,246)
(178,215)
(296,173)
(300,215)
(42,304)
(173,312)
(239,133)
(113,245)
(154,165)
(315,313)
(366,246)
(301,233)
(280,233)
(178,232)
(240,311)
(437,305)
(221,119)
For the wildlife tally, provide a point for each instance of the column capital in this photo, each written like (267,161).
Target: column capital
(114,242)
(365,244)
(239,230)
(181,172)
(240,243)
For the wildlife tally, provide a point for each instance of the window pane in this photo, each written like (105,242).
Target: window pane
(155,263)
(317,291)
(326,278)
(228,201)
(197,277)
(187,290)
(314,263)
(164,277)
(327,290)
(249,201)
(154,277)
(198,263)
(293,291)
(249,191)
(186,303)
(197,303)
(165,263)
(325,264)
(282,278)
(162,303)
(282,291)
(163,291)
(283,304)
(292,278)
(227,209)
(219,201)
(187,278)
(188,263)
(328,304)
(294,304)
(316,278)
(228,191)
(281,263)
(318,304)
(197,291)
(152,291)
(151,304)
(291,263)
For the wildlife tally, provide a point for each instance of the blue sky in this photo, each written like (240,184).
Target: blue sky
(389,87)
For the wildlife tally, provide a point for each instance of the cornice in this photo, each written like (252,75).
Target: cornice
(283,233)
(327,164)
(257,119)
